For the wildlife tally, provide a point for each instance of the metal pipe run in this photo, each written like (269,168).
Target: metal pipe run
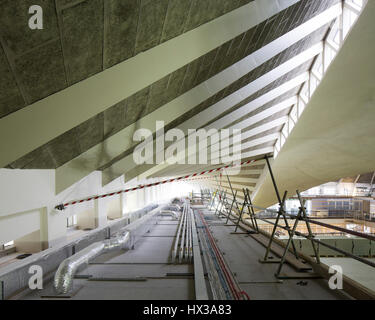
(175,249)
(190,253)
(225,275)
(199,278)
(183,246)
(182,243)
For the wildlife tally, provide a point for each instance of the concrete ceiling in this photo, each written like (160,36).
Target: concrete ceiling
(82,38)
(334,138)
(85,40)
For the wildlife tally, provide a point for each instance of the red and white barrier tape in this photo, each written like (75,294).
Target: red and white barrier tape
(182,178)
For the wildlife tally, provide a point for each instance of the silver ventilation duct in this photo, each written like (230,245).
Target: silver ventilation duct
(174,214)
(126,239)
(172,207)
(63,281)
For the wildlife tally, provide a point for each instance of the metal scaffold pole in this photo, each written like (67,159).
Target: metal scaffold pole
(281,212)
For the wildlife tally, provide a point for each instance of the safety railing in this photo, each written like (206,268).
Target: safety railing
(291,231)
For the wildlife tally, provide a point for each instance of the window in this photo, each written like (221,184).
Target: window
(313,84)
(317,68)
(329,55)
(357,4)
(71,221)
(339,30)
(8,244)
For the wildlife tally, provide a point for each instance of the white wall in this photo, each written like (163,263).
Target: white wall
(30,243)
(87,219)
(17,225)
(114,207)
(27,202)
(26,194)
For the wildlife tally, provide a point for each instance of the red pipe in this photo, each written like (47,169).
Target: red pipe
(236,293)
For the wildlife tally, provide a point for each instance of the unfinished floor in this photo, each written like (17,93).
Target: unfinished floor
(147,272)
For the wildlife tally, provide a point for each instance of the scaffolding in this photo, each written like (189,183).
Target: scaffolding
(231,207)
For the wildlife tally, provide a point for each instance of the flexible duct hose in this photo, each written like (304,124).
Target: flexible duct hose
(63,281)
(169,212)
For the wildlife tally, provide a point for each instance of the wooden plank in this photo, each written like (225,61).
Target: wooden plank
(300,275)
(279,251)
(276,249)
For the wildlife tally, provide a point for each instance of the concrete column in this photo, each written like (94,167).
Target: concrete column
(88,219)
(140,198)
(100,206)
(157,194)
(44,228)
(124,204)
(149,196)
(56,221)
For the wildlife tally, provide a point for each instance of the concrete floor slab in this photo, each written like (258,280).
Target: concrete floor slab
(147,250)
(162,229)
(355,270)
(142,273)
(159,289)
(242,254)
(135,270)
(290,290)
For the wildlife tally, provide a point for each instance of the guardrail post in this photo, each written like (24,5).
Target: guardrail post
(225,205)
(234,196)
(251,210)
(231,206)
(265,259)
(304,215)
(282,260)
(213,198)
(281,205)
(240,215)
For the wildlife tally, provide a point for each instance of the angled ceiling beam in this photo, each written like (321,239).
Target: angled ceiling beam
(245,170)
(188,169)
(236,171)
(256,142)
(239,190)
(239,185)
(118,143)
(60,112)
(334,137)
(288,103)
(126,164)
(245,135)
(240,180)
